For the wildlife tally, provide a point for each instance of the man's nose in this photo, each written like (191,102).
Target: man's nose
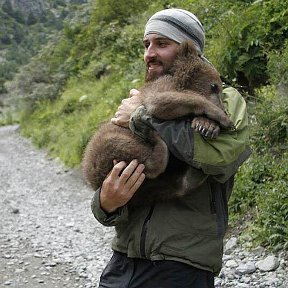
(150,52)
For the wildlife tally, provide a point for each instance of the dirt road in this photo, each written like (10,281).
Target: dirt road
(48,235)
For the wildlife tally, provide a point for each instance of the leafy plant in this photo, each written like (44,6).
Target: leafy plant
(261,183)
(77,81)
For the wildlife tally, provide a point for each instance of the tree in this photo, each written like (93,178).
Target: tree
(19,16)
(31,19)
(7,7)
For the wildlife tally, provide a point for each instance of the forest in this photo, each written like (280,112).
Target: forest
(75,79)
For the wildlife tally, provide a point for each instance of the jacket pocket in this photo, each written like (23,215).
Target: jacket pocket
(219,206)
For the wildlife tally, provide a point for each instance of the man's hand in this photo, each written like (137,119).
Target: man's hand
(118,188)
(127,107)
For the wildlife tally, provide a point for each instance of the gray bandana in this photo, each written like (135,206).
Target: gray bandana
(178,25)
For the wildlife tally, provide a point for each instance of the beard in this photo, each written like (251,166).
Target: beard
(150,76)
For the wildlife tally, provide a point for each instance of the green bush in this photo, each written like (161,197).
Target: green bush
(239,48)
(272,114)
(278,68)
(261,183)
(272,206)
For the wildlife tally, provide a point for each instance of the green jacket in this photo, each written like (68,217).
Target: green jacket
(190,229)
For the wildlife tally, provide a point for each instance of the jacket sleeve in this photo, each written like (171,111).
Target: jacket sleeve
(220,157)
(111,219)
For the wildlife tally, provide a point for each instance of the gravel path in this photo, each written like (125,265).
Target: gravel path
(49,237)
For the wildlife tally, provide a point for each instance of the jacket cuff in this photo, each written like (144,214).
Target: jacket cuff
(107,219)
(139,123)
(177,134)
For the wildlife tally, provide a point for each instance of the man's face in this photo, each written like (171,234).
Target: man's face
(160,53)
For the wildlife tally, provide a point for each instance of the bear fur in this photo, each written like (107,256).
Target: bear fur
(192,88)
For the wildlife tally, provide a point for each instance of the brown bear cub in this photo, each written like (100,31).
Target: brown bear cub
(193,88)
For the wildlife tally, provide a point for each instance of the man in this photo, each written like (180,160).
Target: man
(178,243)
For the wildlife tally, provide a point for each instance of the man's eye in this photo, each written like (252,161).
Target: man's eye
(146,45)
(162,45)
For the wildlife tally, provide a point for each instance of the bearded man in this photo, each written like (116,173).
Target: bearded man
(178,243)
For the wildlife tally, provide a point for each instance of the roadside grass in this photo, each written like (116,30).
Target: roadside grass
(64,127)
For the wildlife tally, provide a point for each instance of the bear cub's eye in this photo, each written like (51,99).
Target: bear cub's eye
(214,88)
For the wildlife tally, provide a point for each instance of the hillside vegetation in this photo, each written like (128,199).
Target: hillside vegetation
(25,26)
(76,82)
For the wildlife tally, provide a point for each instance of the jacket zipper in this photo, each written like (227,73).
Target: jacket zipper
(144,233)
(213,203)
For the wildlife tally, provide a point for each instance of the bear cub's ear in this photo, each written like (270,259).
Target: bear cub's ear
(187,48)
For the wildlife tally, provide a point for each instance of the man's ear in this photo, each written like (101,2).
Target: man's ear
(187,48)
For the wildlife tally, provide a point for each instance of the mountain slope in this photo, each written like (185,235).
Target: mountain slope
(26,25)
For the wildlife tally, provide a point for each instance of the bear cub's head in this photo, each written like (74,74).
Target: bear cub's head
(192,72)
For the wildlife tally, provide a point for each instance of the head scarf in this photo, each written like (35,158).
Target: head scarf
(178,25)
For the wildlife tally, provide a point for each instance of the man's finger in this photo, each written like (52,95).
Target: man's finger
(137,184)
(118,121)
(128,171)
(133,178)
(114,120)
(117,169)
(134,92)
